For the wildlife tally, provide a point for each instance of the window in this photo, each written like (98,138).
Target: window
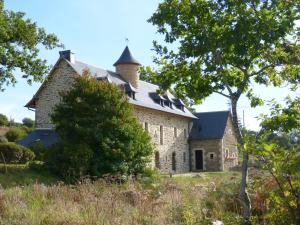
(146,127)
(211,156)
(161,129)
(226,154)
(174,161)
(175,132)
(184,157)
(185,135)
(157,163)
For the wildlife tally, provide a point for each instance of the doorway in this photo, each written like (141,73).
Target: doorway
(199,159)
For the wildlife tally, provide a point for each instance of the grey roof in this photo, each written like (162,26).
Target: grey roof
(209,125)
(126,58)
(143,95)
(47,136)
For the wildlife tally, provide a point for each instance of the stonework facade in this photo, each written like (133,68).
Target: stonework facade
(61,80)
(169,136)
(169,127)
(230,151)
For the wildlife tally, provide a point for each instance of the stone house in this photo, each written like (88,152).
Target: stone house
(170,124)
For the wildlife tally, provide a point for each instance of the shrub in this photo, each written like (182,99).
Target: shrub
(15,153)
(39,150)
(97,138)
(69,161)
(15,134)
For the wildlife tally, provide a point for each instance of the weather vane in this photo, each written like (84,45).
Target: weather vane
(127,41)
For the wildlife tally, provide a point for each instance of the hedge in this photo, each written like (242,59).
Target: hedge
(12,152)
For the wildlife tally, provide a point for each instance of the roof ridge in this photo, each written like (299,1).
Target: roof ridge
(211,112)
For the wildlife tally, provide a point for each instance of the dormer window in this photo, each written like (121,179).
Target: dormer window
(179,104)
(158,98)
(130,90)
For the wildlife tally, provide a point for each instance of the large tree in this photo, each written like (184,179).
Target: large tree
(20,39)
(214,46)
(99,133)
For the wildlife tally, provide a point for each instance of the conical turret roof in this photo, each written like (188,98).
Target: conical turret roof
(126,58)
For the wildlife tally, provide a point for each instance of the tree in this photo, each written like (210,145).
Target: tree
(19,42)
(279,151)
(15,134)
(223,47)
(28,122)
(99,132)
(3,120)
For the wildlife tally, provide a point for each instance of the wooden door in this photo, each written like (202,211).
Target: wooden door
(199,159)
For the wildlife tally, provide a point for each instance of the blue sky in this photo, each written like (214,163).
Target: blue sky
(96,31)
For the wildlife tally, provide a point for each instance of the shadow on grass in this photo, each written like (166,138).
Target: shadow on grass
(22,175)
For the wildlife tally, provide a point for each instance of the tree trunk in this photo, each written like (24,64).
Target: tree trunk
(243,190)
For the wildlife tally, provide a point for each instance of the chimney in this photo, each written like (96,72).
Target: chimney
(68,55)
(128,68)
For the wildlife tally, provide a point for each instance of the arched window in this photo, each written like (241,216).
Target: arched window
(174,161)
(157,162)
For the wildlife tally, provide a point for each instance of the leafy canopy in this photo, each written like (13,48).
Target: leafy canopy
(277,146)
(223,46)
(99,132)
(20,39)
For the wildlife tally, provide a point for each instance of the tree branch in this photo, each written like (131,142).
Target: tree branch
(262,69)
(221,93)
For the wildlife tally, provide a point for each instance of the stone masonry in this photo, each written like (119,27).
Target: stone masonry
(230,151)
(175,139)
(61,81)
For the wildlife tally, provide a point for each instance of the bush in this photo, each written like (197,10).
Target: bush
(15,134)
(13,152)
(97,138)
(68,161)
(38,149)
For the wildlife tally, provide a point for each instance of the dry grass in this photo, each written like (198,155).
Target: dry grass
(163,201)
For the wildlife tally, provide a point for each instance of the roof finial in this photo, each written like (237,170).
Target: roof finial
(127,41)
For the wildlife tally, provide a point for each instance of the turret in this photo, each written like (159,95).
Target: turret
(128,68)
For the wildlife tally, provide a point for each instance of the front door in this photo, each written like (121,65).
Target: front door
(199,159)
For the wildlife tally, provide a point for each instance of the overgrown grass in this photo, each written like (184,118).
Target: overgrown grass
(36,198)
(22,175)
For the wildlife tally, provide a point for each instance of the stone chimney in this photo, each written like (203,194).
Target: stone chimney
(128,68)
(68,55)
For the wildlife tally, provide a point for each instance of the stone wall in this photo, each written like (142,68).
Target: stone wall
(171,124)
(214,147)
(230,151)
(60,80)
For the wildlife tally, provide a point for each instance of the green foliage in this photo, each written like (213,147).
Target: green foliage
(3,120)
(280,155)
(19,42)
(223,45)
(98,131)
(28,122)
(15,134)
(39,150)
(12,152)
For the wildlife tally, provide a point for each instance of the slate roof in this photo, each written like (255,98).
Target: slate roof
(126,58)
(209,125)
(46,136)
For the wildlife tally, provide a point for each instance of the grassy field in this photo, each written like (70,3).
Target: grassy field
(21,175)
(29,197)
